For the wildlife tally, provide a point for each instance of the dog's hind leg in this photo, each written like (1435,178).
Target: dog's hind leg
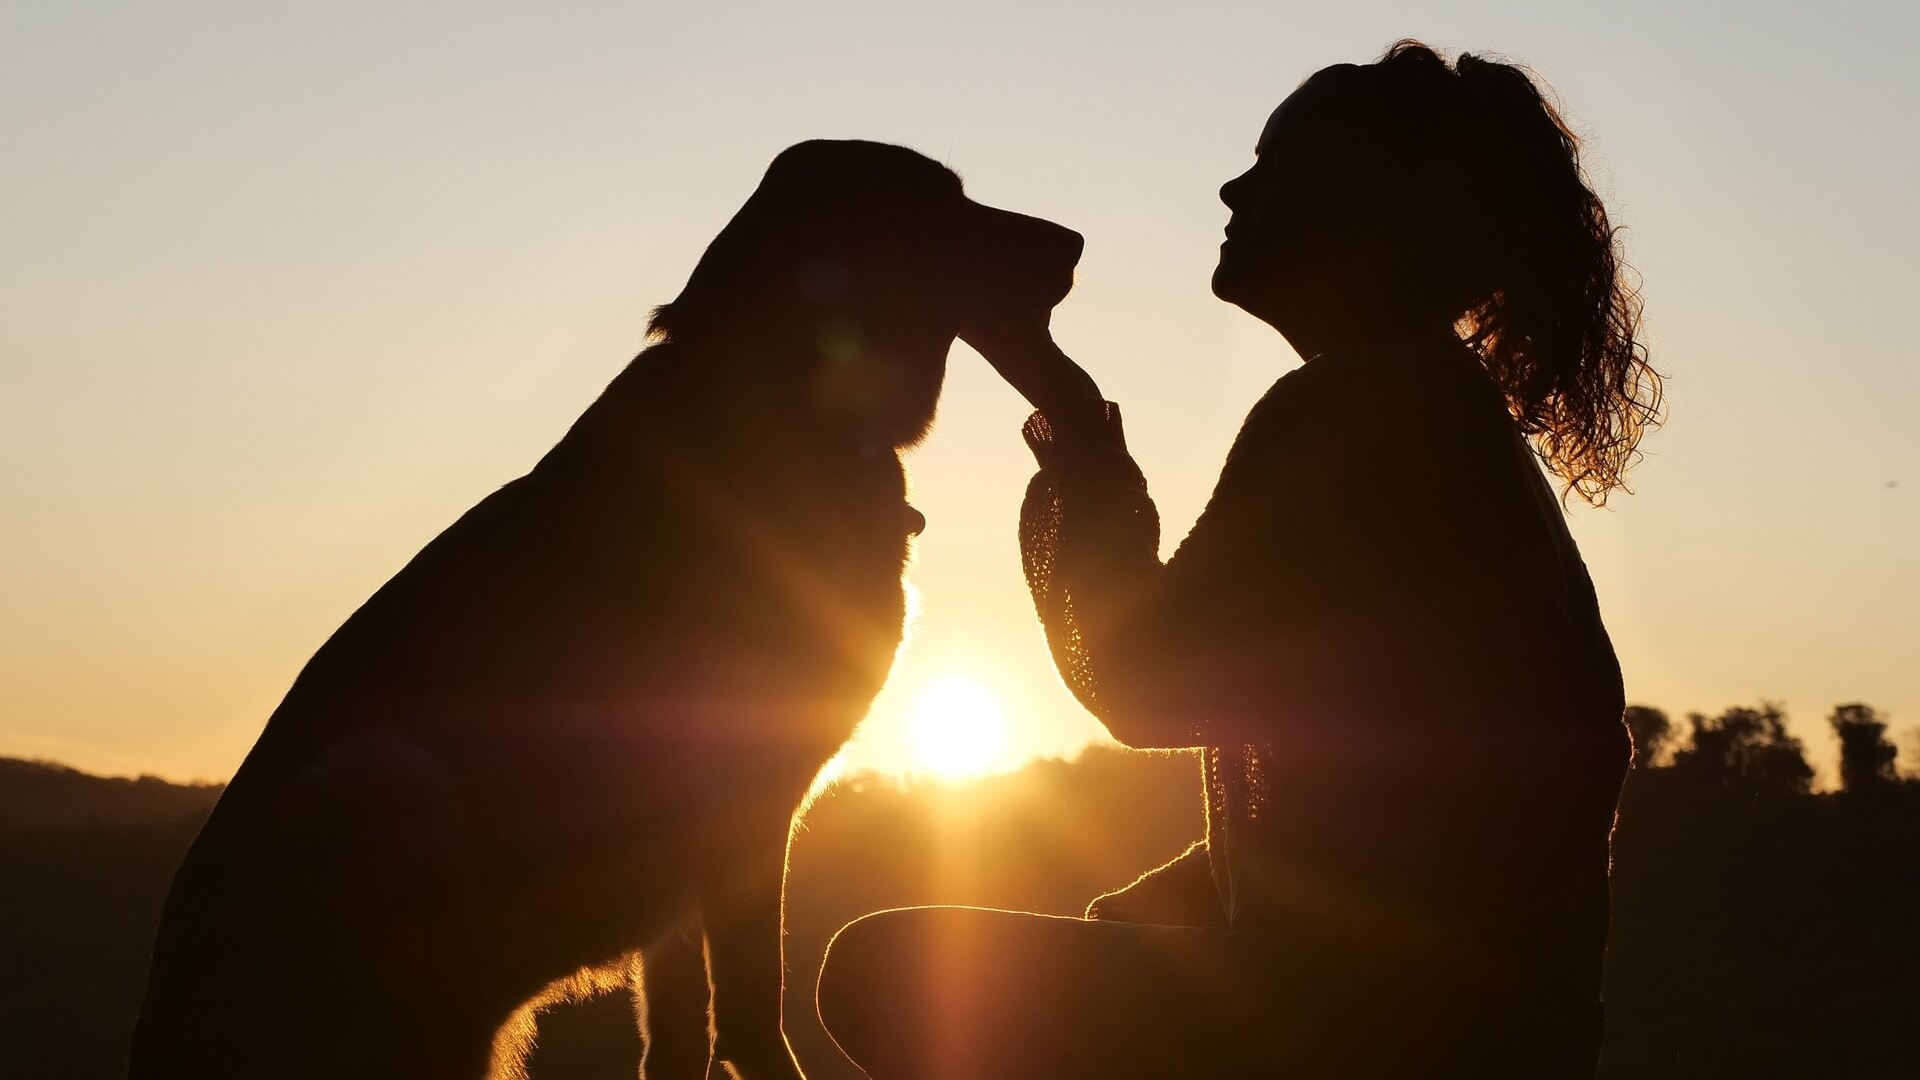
(673,997)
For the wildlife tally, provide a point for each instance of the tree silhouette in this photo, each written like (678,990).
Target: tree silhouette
(1866,755)
(1745,748)
(1651,731)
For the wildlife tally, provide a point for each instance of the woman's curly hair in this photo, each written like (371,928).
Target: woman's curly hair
(1546,299)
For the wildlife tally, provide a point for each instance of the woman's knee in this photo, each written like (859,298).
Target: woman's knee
(858,982)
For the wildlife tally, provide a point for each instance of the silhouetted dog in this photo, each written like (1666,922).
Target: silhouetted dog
(588,710)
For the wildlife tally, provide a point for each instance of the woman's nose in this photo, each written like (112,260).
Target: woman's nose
(1230,191)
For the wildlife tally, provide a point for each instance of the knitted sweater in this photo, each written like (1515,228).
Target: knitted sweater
(1385,642)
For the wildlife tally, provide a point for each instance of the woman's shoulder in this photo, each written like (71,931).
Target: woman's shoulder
(1421,365)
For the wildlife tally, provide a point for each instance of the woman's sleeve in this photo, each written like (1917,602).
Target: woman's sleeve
(1089,540)
(1333,578)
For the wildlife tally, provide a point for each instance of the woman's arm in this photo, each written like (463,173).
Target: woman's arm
(1089,543)
(1347,568)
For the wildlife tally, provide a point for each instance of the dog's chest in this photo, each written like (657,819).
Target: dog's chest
(800,561)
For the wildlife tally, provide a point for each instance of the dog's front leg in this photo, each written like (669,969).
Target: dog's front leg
(674,994)
(741,907)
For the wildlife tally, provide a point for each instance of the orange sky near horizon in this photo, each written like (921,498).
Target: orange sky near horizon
(282,293)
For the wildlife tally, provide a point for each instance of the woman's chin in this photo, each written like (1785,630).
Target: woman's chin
(1226,282)
(1251,288)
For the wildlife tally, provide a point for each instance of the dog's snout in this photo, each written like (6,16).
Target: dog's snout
(1054,241)
(1071,244)
(1025,256)
(1035,235)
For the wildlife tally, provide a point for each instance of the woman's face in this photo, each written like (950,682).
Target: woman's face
(1295,210)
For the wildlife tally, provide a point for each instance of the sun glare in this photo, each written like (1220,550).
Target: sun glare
(958,731)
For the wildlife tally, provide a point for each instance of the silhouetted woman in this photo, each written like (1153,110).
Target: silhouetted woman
(1379,631)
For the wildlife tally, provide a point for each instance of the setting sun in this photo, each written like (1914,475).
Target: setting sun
(958,730)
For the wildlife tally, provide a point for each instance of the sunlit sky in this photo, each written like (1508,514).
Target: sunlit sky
(285,288)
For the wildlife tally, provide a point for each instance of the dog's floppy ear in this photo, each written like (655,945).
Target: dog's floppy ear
(732,274)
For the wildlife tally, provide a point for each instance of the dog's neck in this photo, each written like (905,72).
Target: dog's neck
(692,398)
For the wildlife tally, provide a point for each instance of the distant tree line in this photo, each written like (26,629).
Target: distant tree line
(1749,747)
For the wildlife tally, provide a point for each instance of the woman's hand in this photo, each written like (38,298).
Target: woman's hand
(1021,348)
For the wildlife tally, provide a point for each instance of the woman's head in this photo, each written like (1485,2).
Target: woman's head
(1411,194)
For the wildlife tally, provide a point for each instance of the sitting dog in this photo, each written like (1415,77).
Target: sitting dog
(583,716)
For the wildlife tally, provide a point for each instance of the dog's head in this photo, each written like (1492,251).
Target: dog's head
(851,269)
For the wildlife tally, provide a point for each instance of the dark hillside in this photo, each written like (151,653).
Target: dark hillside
(85,862)
(41,794)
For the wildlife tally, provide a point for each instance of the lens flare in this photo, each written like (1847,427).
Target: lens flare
(958,731)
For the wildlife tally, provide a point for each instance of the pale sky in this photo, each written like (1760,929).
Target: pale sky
(285,288)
